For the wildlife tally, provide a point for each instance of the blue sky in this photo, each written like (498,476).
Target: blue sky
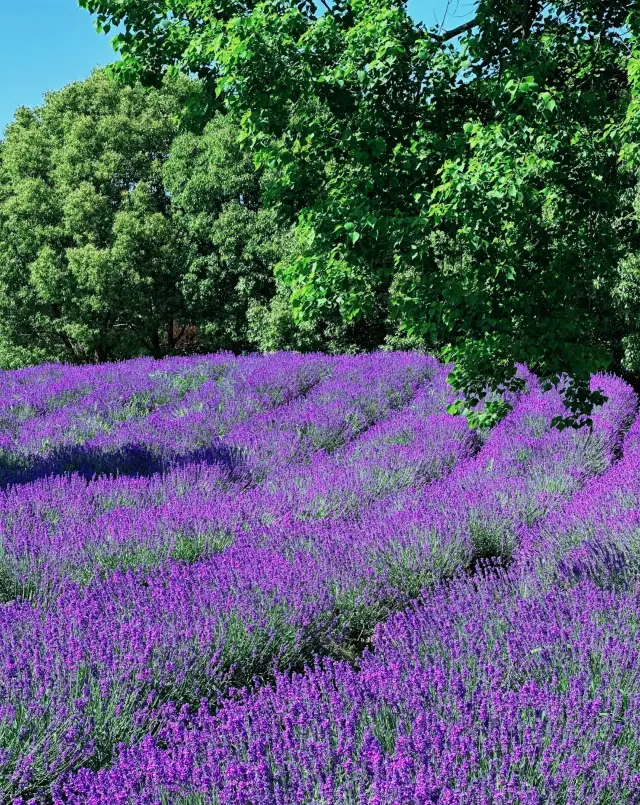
(45,44)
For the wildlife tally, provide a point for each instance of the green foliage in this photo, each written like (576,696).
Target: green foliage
(120,234)
(462,194)
(234,241)
(90,257)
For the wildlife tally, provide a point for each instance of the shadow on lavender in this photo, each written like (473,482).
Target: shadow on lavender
(136,460)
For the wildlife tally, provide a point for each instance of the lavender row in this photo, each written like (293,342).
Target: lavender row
(595,533)
(197,510)
(482,695)
(97,667)
(121,428)
(362,391)
(117,391)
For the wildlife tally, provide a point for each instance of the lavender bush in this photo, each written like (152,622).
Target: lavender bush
(480,695)
(174,532)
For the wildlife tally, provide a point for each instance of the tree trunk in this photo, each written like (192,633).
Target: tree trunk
(155,343)
(100,353)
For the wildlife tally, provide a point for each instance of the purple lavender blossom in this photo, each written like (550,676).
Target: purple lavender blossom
(480,695)
(252,515)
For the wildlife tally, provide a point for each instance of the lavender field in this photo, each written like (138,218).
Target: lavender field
(297,580)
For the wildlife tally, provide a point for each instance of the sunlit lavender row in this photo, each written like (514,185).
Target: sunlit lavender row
(264,580)
(482,694)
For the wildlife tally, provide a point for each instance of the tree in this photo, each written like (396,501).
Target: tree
(233,241)
(626,288)
(90,257)
(471,185)
(119,233)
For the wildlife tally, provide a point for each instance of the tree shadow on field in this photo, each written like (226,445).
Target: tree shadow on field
(134,460)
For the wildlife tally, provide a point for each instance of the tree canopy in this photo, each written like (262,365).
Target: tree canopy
(469,181)
(120,234)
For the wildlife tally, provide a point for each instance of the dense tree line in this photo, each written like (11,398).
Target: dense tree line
(119,234)
(124,233)
(336,175)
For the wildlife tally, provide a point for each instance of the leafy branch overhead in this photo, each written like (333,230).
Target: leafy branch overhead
(461,188)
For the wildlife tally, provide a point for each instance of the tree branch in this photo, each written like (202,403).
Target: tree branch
(466,26)
(444,17)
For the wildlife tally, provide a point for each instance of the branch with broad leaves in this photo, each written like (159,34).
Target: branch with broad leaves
(453,32)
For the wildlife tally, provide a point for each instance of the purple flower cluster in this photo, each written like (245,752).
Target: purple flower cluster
(178,539)
(596,532)
(481,695)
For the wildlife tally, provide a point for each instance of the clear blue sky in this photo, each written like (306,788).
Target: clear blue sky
(45,44)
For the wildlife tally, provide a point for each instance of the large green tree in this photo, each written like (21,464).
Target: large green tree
(467,180)
(121,235)
(90,259)
(233,240)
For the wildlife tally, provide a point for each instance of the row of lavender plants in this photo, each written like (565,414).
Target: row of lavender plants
(142,416)
(484,694)
(134,603)
(594,534)
(199,508)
